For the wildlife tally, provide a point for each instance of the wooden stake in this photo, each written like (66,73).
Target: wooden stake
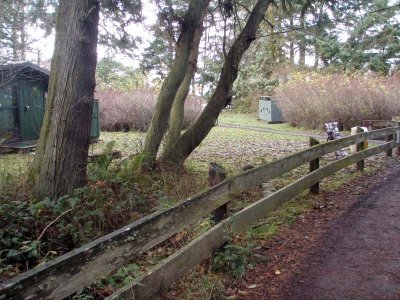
(360,147)
(216,174)
(314,165)
(389,138)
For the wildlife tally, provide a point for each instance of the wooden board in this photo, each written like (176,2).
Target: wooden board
(25,145)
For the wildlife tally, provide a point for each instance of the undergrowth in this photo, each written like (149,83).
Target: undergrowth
(33,231)
(232,259)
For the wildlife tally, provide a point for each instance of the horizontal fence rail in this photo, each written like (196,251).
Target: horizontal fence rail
(185,259)
(74,270)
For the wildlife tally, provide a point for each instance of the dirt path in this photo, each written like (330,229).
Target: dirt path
(347,248)
(361,258)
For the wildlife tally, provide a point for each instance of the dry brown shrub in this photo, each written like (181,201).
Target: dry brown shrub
(133,110)
(312,99)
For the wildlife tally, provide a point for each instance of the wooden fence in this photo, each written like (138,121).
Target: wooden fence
(72,271)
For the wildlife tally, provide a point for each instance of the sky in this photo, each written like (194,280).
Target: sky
(45,46)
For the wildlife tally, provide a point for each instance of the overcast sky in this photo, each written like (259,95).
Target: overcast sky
(46,45)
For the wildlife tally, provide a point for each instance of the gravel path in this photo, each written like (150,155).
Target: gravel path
(348,247)
(361,258)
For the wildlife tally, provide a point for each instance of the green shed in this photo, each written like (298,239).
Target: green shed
(23,91)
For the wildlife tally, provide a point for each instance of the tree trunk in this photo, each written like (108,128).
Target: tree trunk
(279,42)
(222,95)
(159,122)
(319,33)
(316,56)
(61,157)
(178,107)
(302,39)
(22,29)
(14,36)
(18,42)
(291,43)
(177,113)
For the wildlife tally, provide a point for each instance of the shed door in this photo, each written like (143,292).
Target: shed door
(31,109)
(8,113)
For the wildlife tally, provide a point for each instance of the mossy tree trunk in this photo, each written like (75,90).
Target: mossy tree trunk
(222,95)
(178,106)
(61,157)
(159,123)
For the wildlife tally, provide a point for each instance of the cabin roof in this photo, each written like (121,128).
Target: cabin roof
(24,70)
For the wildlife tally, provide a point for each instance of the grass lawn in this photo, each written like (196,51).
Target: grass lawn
(253,121)
(230,147)
(13,165)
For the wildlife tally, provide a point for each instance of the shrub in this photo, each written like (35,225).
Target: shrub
(233,260)
(133,110)
(34,231)
(312,99)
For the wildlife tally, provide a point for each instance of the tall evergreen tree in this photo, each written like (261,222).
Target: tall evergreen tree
(61,156)
(16,16)
(374,43)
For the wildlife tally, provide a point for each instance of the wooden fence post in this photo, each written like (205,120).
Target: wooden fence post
(360,147)
(396,123)
(314,165)
(389,137)
(398,142)
(216,174)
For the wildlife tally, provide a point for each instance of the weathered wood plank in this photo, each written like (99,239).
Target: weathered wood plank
(389,138)
(176,265)
(216,174)
(396,123)
(256,176)
(360,147)
(398,143)
(185,259)
(314,165)
(74,270)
